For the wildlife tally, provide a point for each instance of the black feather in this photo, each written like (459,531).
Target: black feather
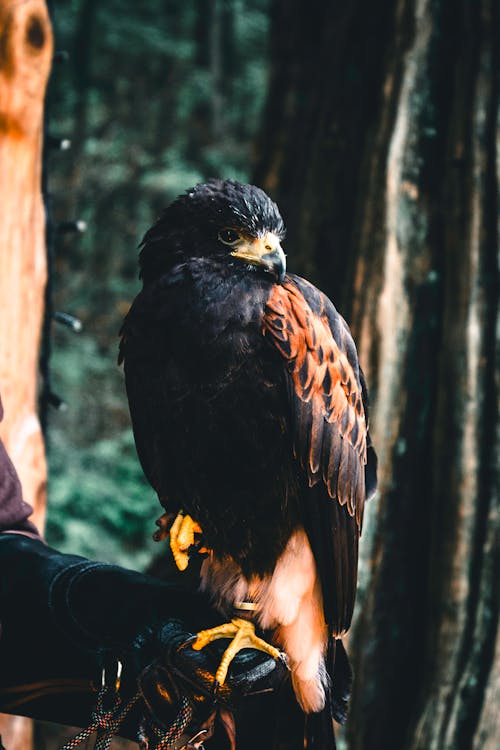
(231,419)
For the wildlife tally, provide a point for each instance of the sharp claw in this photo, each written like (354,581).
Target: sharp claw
(163,524)
(284,660)
(242,635)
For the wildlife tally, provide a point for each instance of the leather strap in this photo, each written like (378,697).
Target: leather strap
(17,695)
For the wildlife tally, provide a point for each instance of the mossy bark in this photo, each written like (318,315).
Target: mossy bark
(380,146)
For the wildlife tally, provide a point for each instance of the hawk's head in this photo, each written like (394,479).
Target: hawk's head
(226,219)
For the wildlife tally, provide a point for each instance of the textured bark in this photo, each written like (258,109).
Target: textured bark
(385,167)
(25,56)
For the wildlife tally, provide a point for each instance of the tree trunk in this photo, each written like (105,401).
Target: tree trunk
(386,168)
(26,52)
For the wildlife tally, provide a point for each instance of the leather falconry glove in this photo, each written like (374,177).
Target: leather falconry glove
(64,618)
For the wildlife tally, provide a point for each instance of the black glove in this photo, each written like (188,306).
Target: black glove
(181,672)
(64,618)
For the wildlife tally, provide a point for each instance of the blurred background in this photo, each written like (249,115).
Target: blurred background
(155,97)
(375,127)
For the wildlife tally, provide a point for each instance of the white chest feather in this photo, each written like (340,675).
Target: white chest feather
(289,603)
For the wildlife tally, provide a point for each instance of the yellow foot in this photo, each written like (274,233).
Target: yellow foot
(243,636)
(182,537)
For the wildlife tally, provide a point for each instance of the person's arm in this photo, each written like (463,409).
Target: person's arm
(14,511)
(64,618)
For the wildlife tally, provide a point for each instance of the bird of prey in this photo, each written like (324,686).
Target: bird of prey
(249,411)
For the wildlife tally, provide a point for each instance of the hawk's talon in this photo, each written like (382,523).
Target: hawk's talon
(242,634)
(182,538)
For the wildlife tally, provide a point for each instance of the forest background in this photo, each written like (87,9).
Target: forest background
(375,127)
(155,97)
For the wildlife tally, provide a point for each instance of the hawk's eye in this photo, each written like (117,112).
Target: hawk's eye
(229,237)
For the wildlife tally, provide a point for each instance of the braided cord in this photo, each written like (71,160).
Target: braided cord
(106,722)
(167,738)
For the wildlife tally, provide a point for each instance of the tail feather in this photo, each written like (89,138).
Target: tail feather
(319,729)
(340,672)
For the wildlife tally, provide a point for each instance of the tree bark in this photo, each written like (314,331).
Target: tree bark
(385,167)
(25,58)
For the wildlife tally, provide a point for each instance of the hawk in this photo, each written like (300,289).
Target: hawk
(249,411)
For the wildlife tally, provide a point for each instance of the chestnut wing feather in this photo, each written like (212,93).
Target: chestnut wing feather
(329,414)
(331,441)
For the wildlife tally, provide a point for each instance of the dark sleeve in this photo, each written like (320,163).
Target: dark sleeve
(63,617)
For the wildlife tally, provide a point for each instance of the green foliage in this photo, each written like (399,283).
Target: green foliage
(100,506)
(99,502)
(156,97)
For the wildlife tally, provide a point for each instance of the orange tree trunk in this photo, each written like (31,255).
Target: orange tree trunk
(379,144)
(25,58)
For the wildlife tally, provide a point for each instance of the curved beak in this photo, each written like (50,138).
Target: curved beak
(263,251)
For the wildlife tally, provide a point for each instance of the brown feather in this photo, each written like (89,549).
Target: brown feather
(330,424)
